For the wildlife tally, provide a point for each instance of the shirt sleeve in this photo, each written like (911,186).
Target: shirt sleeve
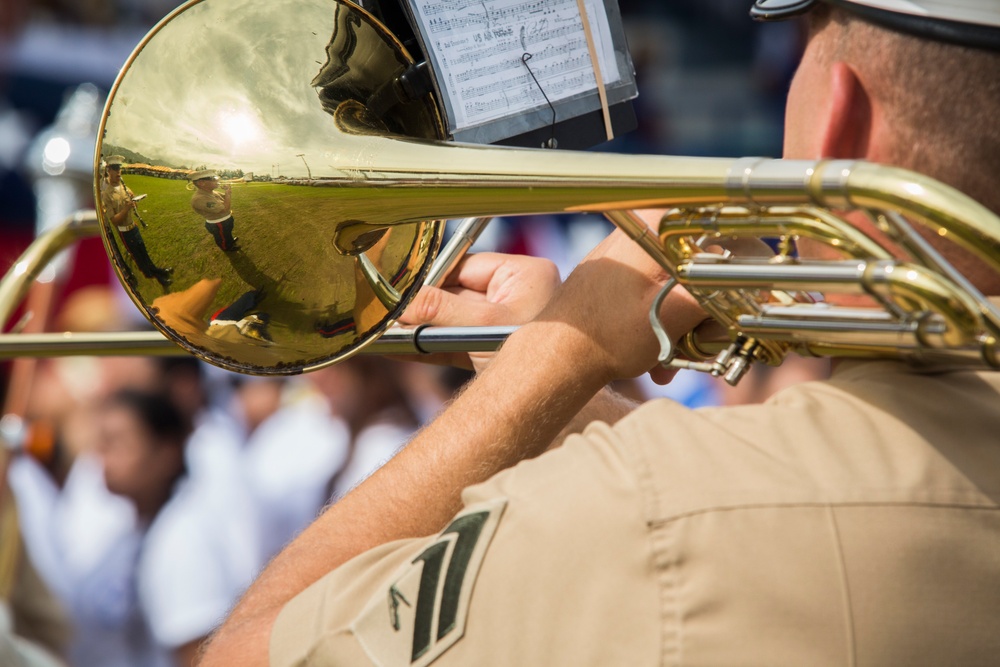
(519,577)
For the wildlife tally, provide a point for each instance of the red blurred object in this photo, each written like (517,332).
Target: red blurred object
(89,266)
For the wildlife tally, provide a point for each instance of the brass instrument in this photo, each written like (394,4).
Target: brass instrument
(333,249)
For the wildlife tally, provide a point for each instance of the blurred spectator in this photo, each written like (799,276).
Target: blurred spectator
(140,443)
(175,562)
(368,393)
(214,455)
(152,587)
(335,427)
(289,459)
(34,629)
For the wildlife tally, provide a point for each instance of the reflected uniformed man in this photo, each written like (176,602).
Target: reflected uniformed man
(215,207)
(119,203)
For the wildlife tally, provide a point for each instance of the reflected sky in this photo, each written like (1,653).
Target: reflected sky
(229,89)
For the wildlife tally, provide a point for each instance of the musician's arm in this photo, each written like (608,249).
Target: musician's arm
(541,378)
(488,428)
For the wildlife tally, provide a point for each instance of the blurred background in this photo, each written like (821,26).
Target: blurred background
(149,491)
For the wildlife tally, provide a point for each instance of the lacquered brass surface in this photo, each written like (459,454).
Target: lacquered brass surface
(291,102)
(253,91)
(295,104)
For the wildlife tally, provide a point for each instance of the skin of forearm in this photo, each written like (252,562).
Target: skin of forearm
(488,428)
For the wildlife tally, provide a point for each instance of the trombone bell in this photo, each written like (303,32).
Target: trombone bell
(271,87)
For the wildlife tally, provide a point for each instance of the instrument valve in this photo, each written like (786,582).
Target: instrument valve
(734,362)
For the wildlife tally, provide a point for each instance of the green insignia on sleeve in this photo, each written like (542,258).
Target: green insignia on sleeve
(422,611)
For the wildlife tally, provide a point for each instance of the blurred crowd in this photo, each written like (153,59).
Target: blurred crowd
(162,485)
(155,488)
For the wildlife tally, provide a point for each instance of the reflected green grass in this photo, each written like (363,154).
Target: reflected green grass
(286,236)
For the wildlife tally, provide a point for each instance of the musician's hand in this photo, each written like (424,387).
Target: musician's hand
(485,289)
(606,302)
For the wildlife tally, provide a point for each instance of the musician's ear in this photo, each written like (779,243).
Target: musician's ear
(849,117)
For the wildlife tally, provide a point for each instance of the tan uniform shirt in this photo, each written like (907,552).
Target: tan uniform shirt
(853,521)
(210,205)
(114,199)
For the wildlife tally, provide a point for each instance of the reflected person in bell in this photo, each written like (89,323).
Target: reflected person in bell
(215,207)
(119,204)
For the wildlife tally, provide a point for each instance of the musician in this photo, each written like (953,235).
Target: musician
(849,521)
(119,204)
(215,207)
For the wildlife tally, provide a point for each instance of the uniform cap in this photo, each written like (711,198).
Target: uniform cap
(204,173)
(115,160)
(973,23)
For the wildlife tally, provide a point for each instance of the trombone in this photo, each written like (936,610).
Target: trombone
(340,252)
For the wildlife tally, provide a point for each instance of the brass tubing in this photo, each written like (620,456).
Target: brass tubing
(18,279)
(153,343)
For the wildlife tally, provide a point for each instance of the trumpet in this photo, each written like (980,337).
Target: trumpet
(336,255)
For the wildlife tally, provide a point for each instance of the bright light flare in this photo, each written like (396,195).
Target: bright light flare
(241,127)
(54,156)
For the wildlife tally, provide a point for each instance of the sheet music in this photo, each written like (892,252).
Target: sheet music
(479,48)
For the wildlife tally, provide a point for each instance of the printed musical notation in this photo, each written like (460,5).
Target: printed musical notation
(479,47)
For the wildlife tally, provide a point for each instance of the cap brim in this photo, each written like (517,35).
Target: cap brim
(778,10)
(973,25)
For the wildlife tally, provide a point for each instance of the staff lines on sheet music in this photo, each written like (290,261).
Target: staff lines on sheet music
(514,63)
(472,54)
(539,32)
(507,98)
(485,19)
(552,83)
(528,7)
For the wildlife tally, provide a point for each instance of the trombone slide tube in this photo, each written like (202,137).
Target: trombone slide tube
(420,340)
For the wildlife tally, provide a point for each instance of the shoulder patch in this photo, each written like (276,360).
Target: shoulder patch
(422,610)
